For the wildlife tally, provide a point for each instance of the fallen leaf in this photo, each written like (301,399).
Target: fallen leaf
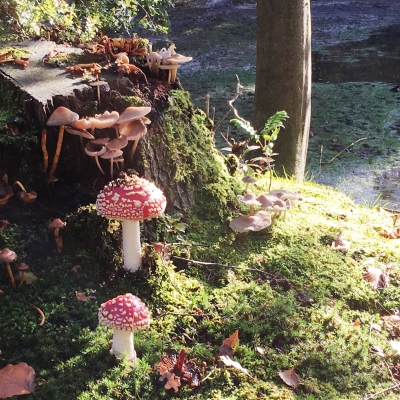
(16,380)
(232,340)
(376,327)
(395,346)
(81,296)
(173,382)
(378,278)
(228,362)
(340,244)
(75,268)
(290,377)
(378,350)
(260,350)
(30,278)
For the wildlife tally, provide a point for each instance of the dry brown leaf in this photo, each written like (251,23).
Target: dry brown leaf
(16,380)
(290,377)
(173,382)
(228,362)
(232,340)
(83,297)
(378,278)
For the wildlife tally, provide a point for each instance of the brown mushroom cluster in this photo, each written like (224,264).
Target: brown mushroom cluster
(272,205)
(129,126)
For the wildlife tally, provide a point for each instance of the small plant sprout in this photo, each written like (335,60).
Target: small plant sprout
(263,140)
(125,314)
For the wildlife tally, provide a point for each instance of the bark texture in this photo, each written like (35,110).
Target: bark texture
(283,78)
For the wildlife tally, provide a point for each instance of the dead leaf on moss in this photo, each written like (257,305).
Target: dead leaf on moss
(173,382)
(341,244)
(228,362)
(226,349)
(29,278)
(16,380)
(395,234)
(290,377)
(378,350)
(260,350)
(378,278)
(81,296)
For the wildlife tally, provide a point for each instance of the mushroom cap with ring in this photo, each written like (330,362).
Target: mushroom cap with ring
(62,116)
(130,198)
(125,312)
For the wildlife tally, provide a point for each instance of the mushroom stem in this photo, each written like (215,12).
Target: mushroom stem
(22,279)
(10,275)
(99,166)
(111,167)
(18,183)
(132,152)
(44,150)
(131,245)
(58,151)
(122,346)
(58,239)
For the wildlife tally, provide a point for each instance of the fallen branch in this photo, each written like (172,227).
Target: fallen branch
(372,396)
(216,264)
(40,313)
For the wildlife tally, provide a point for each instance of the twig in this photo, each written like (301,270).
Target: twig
(210,264)
(40,313)
(372,396)
(206,377)
(184,315)
(338,154)
(230,102)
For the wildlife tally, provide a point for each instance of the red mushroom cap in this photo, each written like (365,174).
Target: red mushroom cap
(130,197)
(125,312)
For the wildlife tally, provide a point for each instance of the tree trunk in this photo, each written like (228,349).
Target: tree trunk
(283,79)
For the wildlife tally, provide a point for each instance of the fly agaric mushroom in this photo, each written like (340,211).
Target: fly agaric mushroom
(131,199)
(61,116)
(56,225)
(6,256)
(125,314)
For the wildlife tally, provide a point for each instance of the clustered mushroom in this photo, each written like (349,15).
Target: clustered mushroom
(131,199)
(131,125)
(166,59)
(7,256)
(125,314)
(276,202)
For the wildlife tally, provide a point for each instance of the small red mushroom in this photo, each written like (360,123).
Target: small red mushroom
(125,314)
(131,199)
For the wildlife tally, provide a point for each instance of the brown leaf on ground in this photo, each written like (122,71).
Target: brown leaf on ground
(378,278)
(232,340)
(16,380)
(83,297)
(173,382)
(228,362)
(340,243)
(395,234)
(290,377)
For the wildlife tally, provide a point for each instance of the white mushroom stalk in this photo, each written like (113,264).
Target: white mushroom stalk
(125,314)
(131,199)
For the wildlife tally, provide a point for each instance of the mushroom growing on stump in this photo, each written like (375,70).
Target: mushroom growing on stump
(131,199)
(125,314)
(6,256)
(61,116)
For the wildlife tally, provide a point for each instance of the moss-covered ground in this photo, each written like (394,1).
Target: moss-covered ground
(256,284)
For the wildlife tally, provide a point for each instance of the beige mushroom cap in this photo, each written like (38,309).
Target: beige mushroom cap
(132,113)
(62,116)
(57,224)
(117,143)
(112,154)
(7,255)
(249,199)
(79,132)
(105,120)
(83,123)
(133,130)
(253,222)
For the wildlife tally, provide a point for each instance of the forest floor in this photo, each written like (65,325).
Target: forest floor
(356,51)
